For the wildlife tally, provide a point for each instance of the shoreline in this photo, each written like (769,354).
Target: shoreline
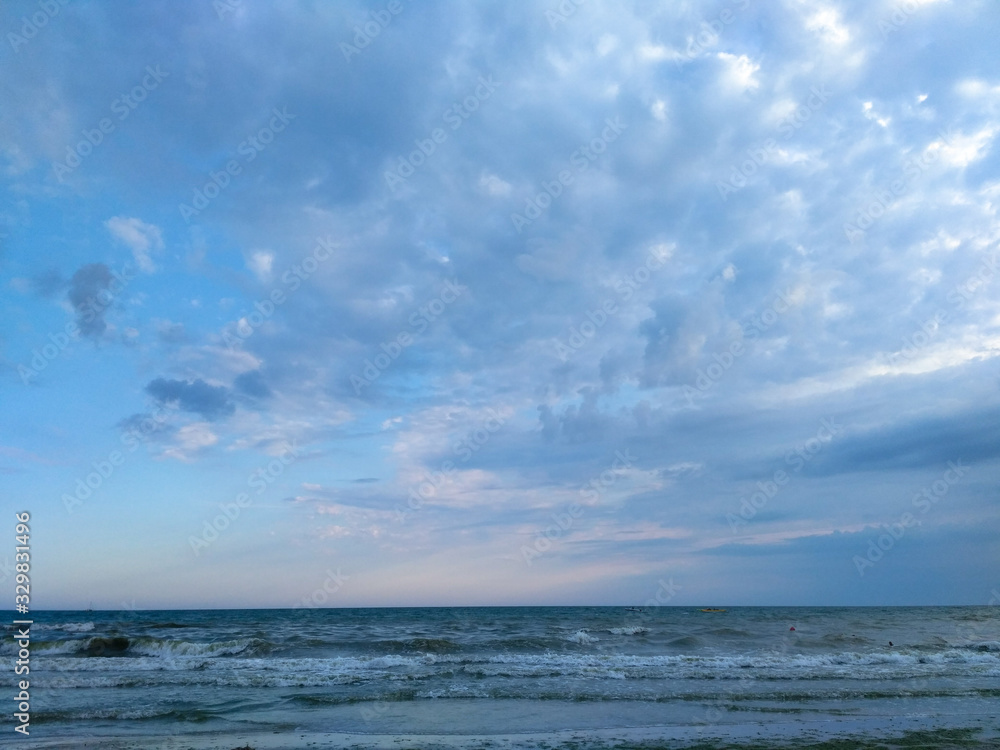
(817,734)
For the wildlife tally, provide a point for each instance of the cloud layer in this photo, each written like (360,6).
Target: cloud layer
(467,258)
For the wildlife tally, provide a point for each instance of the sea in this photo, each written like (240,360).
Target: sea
(179,679)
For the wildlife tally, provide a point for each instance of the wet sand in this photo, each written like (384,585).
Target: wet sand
(836,734)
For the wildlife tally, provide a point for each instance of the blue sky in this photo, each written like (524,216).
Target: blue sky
(490,303)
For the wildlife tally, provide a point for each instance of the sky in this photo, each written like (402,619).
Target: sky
(579,302)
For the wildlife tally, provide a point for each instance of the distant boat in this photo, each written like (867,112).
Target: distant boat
(633,609)
(713,609)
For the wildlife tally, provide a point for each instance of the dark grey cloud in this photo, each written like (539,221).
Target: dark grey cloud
(210,401)
(253,384)
(90,294)
(821,568)
(969,435)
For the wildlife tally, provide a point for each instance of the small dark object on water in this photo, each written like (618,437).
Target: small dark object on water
(247,747)
(792,628)
(890,644)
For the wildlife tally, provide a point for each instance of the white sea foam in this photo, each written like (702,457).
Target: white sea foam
(583,638)
(66,627)
(153,654)
(156,647)
(72,671)
(630,630)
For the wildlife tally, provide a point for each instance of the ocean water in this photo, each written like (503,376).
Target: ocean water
(481,671)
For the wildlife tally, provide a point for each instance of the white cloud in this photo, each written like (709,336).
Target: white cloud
(190,440)
(144,240)
(962,150)
(740,71)
(261,262)
(828,24)
(658,53)
(493,185)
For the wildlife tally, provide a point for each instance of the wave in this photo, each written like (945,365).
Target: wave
(992,646)
(885,668)
(121,714)
(394,696)
(408,646)
(116,646)
(235,647)
(838,639)
(66,627)
(630,630)
(432,645)
(587,679)
(686,641)
(730,632)
(582,637)
(526,643)
(573,652)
